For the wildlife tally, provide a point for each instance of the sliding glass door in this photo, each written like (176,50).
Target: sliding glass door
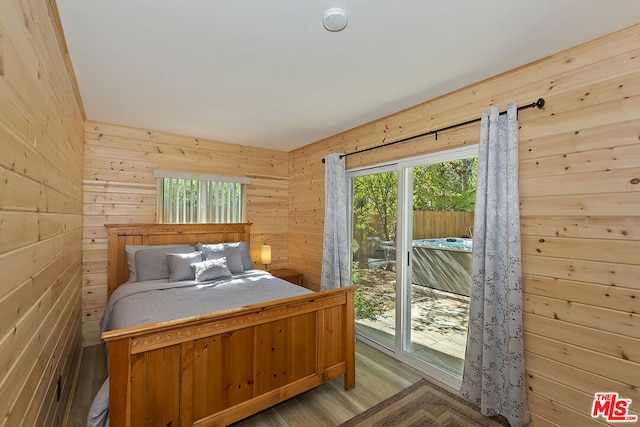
(412,225)
(373,244)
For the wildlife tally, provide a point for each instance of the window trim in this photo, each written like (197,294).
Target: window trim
(200,176)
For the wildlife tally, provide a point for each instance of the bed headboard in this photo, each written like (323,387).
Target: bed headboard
(163,234)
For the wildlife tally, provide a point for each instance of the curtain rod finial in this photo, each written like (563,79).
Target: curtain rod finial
(540,102)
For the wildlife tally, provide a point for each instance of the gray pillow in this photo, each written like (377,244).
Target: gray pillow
(226,250)
(131,250)
(180,265)
(211,269)
(245,255)
(204,247)
(152,263)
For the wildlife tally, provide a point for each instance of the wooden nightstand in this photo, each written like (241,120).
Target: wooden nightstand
(288,275)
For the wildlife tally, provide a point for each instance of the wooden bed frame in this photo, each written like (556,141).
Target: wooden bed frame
(221,367)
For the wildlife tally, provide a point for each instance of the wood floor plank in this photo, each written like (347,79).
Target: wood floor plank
(93,372)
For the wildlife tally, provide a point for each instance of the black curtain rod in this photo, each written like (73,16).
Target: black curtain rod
(539,104)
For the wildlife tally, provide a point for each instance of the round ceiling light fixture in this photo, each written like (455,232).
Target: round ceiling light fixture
(335,19)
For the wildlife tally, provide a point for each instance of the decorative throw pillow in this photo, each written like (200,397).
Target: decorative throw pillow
(152,263)
(211,269)
(224,250)
(204,247)
(180,265)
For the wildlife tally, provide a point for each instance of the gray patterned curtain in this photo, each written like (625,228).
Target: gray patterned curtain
(335,250)
(493,375)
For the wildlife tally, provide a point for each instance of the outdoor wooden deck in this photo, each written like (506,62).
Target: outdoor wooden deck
(438,332)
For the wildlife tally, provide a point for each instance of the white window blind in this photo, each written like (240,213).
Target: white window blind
(199,198)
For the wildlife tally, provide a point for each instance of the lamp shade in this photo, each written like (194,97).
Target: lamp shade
(265,254)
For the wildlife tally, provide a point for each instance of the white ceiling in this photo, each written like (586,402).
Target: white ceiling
(266,73)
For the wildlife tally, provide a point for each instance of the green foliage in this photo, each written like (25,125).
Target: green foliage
(355,273)
(447,186)
(375,196)
(367,307)
(179,190)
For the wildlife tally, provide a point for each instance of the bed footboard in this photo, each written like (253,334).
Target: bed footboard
(218,368)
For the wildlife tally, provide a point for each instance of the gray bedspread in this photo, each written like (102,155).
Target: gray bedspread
(133,304)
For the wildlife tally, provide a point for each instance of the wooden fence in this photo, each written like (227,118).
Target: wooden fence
(434,225)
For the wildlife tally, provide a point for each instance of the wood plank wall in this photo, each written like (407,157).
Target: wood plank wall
(41,152)
(119,187)
(580,207)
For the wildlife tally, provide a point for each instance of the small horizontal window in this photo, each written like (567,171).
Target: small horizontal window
(199,198)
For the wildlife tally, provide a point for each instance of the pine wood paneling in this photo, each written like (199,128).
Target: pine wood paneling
(41,141)
(119,188)
(610,343)
(619,275)
(607,296)
(619,228)
(579,378)
(576,408)
(580,206)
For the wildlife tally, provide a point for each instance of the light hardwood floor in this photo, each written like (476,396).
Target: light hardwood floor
(378,377)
